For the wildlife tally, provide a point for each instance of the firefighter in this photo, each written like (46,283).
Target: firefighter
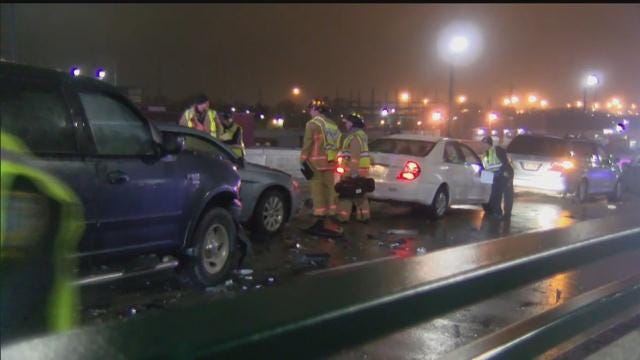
(495,160)
(42,222)
(319,150)
(201,117)
(231,133)
(354,161)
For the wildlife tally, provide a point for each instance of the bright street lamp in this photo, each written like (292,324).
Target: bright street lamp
(295,91)
(436,116)
(462,99)
(591,81)
(532,99)
(405,96)
(544,103)
(458,44)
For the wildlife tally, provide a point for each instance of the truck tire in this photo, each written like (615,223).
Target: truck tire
(215,248)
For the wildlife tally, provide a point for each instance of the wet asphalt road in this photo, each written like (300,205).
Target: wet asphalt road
(395,231)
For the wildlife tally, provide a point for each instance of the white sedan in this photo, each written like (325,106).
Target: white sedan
(425,170)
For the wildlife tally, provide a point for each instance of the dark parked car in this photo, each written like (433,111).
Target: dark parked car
(141,195)
(270,197)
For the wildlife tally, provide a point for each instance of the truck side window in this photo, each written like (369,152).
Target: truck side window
(116,129)
(38,115)
(199,146)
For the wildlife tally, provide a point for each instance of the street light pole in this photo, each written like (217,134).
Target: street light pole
(450,118)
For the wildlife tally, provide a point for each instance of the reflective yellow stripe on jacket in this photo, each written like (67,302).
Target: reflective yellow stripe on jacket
(211,114)
(227,135)
(331,135)
(361,137)
(62,303)
(490,160)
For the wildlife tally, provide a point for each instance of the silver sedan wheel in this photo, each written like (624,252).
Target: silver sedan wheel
(216,248)
(441,203)
(273,214)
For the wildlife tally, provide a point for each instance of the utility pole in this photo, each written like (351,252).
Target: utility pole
(450,120)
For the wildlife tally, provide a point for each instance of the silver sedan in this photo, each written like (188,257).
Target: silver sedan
(270,197)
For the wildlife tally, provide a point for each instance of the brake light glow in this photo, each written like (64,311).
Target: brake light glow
(562,166)
(340,170)
(410,172)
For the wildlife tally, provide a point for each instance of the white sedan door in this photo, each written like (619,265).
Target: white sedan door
(478,192)
(456,173)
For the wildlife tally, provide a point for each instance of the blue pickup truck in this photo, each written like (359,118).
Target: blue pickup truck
(142,196)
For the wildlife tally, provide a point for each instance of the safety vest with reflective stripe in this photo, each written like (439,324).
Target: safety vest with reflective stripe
(331,136)
(490,160)
(211,115)
(14,247)
(228,134)
(361,137)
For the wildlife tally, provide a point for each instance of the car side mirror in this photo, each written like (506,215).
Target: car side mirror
(173,144)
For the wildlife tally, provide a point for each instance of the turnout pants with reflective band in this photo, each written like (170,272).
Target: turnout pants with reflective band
(345,206)
(323,193)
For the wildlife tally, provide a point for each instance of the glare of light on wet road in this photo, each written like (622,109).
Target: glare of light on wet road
(559,288)
(550,216)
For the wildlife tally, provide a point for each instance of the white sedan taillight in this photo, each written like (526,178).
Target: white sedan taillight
(410,172)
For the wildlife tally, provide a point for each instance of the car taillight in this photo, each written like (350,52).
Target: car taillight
(410,172)
(340,170)
(562,166)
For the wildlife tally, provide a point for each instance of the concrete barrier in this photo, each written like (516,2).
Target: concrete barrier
(285,159)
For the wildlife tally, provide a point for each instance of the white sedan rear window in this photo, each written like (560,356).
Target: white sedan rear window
(403,147)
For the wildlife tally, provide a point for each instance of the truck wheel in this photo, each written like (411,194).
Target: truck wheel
(214,248)
(270,214)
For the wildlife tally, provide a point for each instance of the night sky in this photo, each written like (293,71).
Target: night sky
(233,51)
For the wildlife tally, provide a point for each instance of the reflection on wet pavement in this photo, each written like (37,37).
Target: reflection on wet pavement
(395,231)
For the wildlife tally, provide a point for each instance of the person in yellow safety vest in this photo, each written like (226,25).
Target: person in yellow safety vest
(320,150)
(201,117)
(41,223)
(231,133)
(354,161)
(495,160)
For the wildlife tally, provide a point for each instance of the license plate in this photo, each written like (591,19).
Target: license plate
(379,171)
(531,166)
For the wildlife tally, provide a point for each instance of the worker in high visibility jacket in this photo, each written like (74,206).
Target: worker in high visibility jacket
(201,117)
(354,161)
(231,133)
(319,151)
(41,223)
(495,160)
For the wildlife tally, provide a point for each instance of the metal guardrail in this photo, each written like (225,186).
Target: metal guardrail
(321,314)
